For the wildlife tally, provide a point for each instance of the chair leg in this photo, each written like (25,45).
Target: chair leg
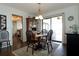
(9,45)
(51,46)
(33,50)
(48,48)
(27,48)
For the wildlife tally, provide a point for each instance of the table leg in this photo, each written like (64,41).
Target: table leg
(39,44)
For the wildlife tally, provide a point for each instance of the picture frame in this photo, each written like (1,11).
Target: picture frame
(70,18)
(3,24)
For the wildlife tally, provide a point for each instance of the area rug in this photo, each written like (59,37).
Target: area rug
(23,52)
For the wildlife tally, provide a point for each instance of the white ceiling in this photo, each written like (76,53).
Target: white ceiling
(32,8)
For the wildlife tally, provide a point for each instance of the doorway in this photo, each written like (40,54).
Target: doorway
(17,31)
(56,23)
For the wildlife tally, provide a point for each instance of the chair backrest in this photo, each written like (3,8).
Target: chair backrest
(29,36)
(49,35)
(4,35)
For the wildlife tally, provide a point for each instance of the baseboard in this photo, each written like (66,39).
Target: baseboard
(56,41)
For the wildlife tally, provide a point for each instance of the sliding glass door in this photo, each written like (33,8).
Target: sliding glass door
(56,26)
(54,23)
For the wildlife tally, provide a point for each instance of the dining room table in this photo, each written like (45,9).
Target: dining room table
(39,38)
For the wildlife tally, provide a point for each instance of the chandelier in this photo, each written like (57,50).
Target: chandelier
(39,13)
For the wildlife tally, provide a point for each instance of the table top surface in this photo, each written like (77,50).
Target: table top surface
(40,35)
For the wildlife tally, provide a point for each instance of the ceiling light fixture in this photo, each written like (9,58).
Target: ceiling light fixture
(39,13)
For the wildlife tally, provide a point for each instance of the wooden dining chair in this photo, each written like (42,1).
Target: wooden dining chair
(49,40)
(47,43)
(31,42)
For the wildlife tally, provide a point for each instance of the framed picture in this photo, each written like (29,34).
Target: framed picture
(3,22)
(70,18)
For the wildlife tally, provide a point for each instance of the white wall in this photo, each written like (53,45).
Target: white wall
(70,11)
(8,11)
(78,20)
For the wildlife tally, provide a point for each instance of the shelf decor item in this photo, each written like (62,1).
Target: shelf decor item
(74,27)
(3,22)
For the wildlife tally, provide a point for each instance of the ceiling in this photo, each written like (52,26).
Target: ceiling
(32,8)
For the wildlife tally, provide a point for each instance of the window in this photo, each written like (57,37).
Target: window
(46,24)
